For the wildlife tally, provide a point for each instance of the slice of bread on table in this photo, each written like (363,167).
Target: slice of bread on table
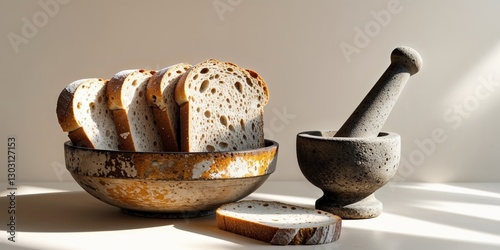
(160,96)
(221,108)
(133,118)
(82,111)
(279,223)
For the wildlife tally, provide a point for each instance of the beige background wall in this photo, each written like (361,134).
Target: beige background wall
(319,59)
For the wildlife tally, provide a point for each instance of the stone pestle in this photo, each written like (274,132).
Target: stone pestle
(369,117)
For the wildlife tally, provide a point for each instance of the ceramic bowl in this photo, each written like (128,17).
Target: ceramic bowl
(170,184)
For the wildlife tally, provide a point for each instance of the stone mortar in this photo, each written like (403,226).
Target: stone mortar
(350,164)
(348,170)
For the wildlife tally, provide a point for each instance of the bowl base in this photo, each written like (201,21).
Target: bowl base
(168,215)
(366,208)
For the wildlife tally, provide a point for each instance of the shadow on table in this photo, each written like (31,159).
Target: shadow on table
(80,212)
(69,212)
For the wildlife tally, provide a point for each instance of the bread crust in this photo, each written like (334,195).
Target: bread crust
(64,111)
(79,138)
(246,228)
(185,124)
(125,141)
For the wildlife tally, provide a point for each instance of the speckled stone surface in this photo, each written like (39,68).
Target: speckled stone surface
(348,170)
(350,164)
(369,117)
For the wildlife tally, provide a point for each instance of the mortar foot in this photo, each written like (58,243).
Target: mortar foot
(366,208)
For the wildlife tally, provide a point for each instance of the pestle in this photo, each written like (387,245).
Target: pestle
(369,117)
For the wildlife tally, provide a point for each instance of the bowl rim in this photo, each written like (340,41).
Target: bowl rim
(268,143)
(271,147)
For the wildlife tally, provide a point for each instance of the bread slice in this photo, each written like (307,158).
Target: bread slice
(132,115)
(82,111)
(160,96)
(221,108)
(279,223)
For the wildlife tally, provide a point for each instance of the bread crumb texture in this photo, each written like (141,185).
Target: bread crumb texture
(225,107)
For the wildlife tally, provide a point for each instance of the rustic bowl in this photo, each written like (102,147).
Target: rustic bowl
(170,184)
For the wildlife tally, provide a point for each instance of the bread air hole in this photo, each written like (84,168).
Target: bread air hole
(195,77)
(213,90)
(210,148)
(231,128)
(249,82)
(238,86)
(134,83)
(78,105)
(253,74)
(242,124)
(204,86)
(223,145)
(99,99)
(92,105)
(223,120)
(204,71)
(207,114)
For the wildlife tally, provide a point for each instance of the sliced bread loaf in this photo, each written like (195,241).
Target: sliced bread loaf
(279,223)
(160,96)
(132,115)
(221,108)
(82,111)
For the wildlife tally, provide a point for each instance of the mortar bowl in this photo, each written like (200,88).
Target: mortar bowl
(170,184)
(348,170)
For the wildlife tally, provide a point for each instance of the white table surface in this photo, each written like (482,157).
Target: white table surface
(416,216)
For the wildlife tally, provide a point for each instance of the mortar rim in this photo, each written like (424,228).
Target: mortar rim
(319,136)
